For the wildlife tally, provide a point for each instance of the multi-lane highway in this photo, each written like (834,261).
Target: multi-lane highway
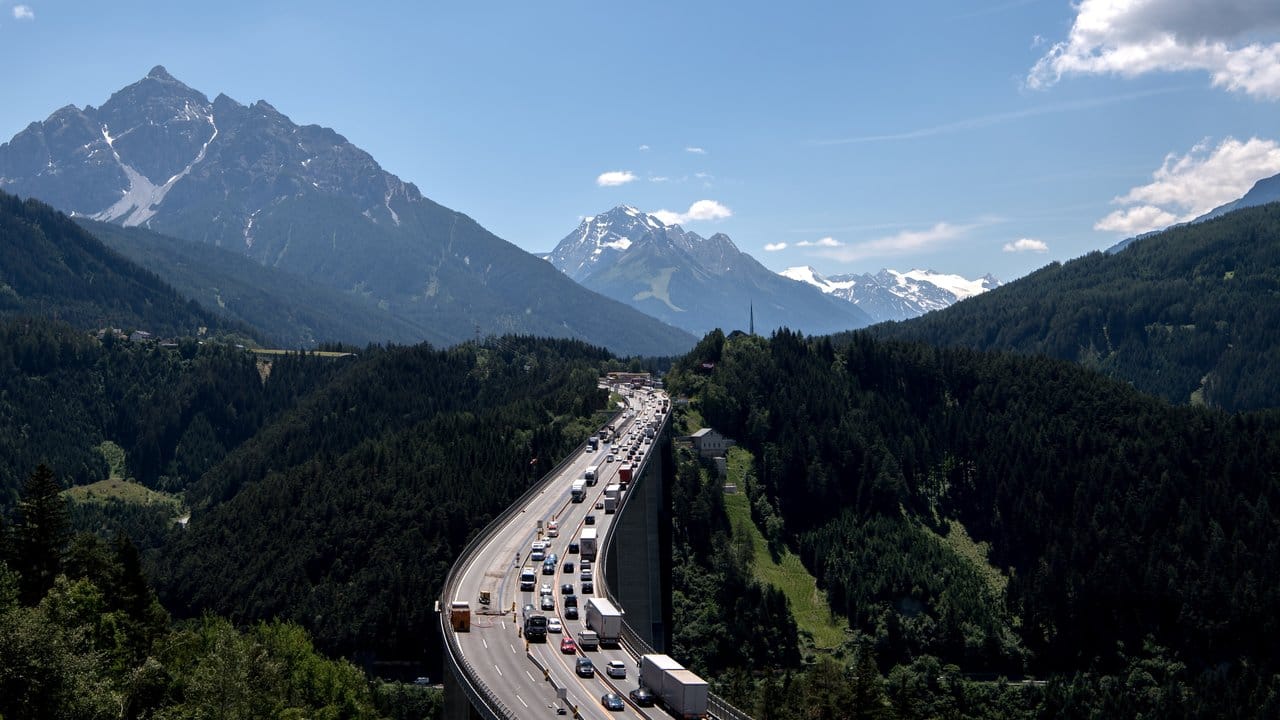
(529,678)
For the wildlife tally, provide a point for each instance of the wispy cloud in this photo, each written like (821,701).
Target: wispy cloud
(695,150)
(1234,41)
(775,247)
(23,12)
(1187,186)
(700,210)
(658,178)
(902,243)
(999,118)
(828,242)
(1022,245)
(643,148)
(614,178)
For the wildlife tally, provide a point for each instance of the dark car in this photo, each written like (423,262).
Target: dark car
(573,548)
(612,701)
(566,589)
(571,612)
(591,519)
(588,588)
(571,601)
(642,697)
(568,566)
(585,668)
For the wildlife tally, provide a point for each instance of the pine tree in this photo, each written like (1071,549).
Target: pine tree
(41,534)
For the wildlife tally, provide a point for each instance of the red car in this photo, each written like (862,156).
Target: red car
(568,646)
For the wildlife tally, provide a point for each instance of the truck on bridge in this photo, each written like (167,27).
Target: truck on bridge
(587,544)
(680,690)
(606,619)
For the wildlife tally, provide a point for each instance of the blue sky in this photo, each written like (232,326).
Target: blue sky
(968,137)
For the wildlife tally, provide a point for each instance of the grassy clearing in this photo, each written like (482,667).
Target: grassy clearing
(808,604)
(957,538)
(118,486)
(115,488)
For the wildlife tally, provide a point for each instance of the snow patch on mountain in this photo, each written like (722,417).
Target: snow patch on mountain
(893,295)
(139,202)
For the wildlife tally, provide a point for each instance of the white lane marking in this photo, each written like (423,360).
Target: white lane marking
(526,672)
(486,643)
(495,667)
(522,702)
(513,647)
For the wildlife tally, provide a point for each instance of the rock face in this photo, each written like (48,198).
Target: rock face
(301,198)
(692,282)
(893,295)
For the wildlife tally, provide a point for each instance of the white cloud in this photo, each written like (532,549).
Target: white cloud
(643,148)
(1136,220)
(1235,41)
(23,12)
(695,150)
(614,178)
(775,247)
(700,210)
(1026,245)
(905,242)
(829,242)
(1185,187)
(658,178)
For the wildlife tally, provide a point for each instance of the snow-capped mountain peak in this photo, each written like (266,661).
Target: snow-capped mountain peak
(690,281)
(893,295)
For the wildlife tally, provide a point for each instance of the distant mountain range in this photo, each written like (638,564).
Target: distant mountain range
(893,295)
(692,282)
(159,154)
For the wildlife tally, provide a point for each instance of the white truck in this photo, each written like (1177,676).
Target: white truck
(680,690)
(578,492)
(587,544)
(606,619)
(591,473)
(612,497)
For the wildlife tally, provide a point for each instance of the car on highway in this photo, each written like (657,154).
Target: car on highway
(567,645)
(568,566)
(571,612)
(608,458)
(566,589)
(612,701)
(591,519)
(548,603)
(573,548)
(616,669)
(588,588)
(585,668)
(554,625)
(586,571)
(599,506)
(642,697)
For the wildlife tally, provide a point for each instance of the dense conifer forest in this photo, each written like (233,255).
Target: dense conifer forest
(51,267)
(1191,314)
(1130,546)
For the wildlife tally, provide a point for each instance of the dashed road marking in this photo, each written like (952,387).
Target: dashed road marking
(495,667)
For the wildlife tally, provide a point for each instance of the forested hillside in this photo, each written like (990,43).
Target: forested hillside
(174,412)
(290,311)
(346,513)
(1191,314)
(1012,514)
(51,267)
